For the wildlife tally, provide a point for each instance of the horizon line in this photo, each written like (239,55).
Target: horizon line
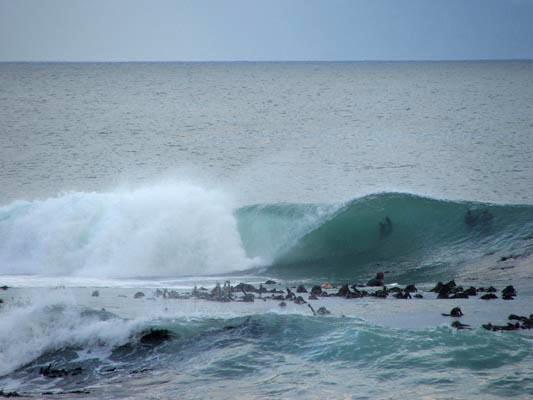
(261,61)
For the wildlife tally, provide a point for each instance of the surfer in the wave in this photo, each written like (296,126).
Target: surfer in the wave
(385,227)
(481,218)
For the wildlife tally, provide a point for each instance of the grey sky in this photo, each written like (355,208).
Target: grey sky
(136,30)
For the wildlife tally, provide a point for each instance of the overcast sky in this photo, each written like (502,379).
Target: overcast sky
(137,30)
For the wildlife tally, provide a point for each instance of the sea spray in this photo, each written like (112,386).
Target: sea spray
(162,230)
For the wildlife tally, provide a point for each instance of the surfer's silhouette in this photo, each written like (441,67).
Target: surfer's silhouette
(470,218)
(385,227)
(482,218)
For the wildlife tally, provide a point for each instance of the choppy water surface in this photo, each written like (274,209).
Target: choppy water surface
(132,177)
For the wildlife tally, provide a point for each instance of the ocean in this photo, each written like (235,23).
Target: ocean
(129,188)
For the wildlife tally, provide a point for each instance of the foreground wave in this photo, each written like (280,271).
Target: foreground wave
(97,350)
(183,229)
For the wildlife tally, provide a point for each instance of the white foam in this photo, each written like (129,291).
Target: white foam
(53,322)
(170,229)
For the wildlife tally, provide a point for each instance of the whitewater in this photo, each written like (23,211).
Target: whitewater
(130,191)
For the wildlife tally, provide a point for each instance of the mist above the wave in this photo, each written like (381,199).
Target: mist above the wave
(165,229)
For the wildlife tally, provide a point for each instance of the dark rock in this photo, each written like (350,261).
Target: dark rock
(459,295)
(402,295)
(290,295)
(382,294)
(377,281)
(508,327)
(248,298)
(517,317)
(156,336)
(282,304)
(437,287)
(312,297)
(447,287)
(509,291)
(300,300)
(270,282)
(9,394)
(418,296)
(316,290)
(489,296)
(244,286)
(323,311)
(343,291)
(455,312)
(471,291)
(301,289)
(459,325)
(50,372)
(410,289)
(138,295)
(95,293)
(279,297)
(5,287)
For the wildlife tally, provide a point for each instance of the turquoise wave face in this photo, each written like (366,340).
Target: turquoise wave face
(422,236)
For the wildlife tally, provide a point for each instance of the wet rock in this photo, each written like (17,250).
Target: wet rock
(418,296)
(490,289)
(316,290)
(459,325)
(489,296)
(343,291)
(138,295)
(244,286)
(410,289)
(155,337)
(459,295)
(402,295)
(248,298)
(323,311)
(508,327)
(377,281)
(5,287)
(301,289)
(95,293)
(444,290)
(471,291)
(527,323)
(312,297)
(508,293)
(455,312)
(50,372)
(382,294)
(278,297)
(282,304)
(270,282)
(9,394)
(299,300)
(290,295)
